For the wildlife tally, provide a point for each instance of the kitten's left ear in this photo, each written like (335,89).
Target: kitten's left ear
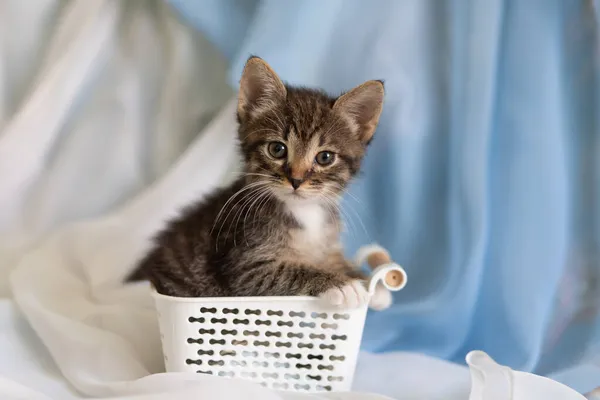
(363,105)
(260,88)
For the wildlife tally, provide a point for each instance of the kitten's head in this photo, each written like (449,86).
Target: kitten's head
(300,143)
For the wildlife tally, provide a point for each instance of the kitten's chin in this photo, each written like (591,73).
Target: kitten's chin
(296,197)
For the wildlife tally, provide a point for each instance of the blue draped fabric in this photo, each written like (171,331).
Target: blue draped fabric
(484,178)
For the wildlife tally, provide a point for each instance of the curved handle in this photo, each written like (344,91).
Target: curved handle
(489,380)
(391,275)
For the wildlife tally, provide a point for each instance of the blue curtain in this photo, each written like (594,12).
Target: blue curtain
(484,177)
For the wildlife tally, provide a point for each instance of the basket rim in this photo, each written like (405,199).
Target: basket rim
(232,299)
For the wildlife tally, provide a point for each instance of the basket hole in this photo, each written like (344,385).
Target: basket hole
(229,332)
(335,378)
(252,312)
(262,364)
(305,345)
(204,372)
(234,311)
(239,342)
(197,341)
(327,346)
(225,353)
(315,357)
(218,320)
(205,310)
(318,315)
(325,367)
(285,323)
(203,331)
(251,333)
(274,312)
(293,355)
(269,334)
(206,352)
(283,344)
(216,362)
(236,363)
(314,377)
(272,375)
(281,364)
(217,341)
(299,386)
(325,325)
(326,388)
(292,376)
(238,321)
(190,362)
(282,386)
(307,324)
(300,314)
(250,353)
(246,374)
(193,319)
(229,374)
(337,358)
(262,322)
(337,316)
(339,337)
(264,343)
(303,366)
(317,336)
(268,354)
(295,335)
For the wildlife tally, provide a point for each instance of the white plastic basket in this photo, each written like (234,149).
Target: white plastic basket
(285,343)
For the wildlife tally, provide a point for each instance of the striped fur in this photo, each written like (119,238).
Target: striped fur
(260,236)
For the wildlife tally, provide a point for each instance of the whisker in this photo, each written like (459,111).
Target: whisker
(332,127)
(341,210)
(360,221)
(280,120)
(280,126)
(331,210)
(250,186)
(243,189)
(260,206)
(346,191)
(265,192)
(245,200)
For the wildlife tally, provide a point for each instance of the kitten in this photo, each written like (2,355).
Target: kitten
(275,230)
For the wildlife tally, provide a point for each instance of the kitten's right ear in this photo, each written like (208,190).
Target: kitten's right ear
(260,89)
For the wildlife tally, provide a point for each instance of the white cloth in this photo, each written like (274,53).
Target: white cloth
(98,101)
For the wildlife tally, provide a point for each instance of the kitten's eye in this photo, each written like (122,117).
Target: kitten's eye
(325,158)
(277,149)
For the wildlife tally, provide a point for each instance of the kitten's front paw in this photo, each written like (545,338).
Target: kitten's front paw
(381,299)
(351,295)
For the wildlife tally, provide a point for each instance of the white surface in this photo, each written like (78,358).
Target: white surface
(491,381)
(98,101)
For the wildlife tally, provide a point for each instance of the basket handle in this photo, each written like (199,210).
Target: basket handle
(391,275)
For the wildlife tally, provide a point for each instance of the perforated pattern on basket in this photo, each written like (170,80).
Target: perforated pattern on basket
(288,347)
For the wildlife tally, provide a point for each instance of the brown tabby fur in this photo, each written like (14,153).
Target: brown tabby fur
(259,236)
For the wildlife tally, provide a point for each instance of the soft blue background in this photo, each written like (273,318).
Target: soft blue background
(484,178)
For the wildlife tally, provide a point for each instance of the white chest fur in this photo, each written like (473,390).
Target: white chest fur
(310,241)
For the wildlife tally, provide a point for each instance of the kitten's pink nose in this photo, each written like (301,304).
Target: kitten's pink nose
(296,183)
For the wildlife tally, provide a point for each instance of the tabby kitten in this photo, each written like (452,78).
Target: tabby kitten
(275,230)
